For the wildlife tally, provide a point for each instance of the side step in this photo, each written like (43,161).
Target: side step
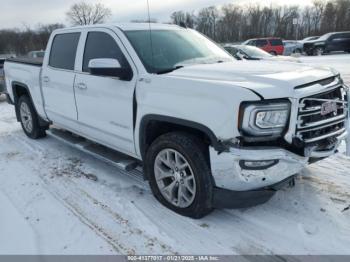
(101,152)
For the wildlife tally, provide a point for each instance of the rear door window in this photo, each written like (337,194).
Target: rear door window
(261,43)
(276,42)
(252,43)
(344,35)
(64,50)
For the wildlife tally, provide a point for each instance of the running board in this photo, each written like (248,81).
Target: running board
(101,152)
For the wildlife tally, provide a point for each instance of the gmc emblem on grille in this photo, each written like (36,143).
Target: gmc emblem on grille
(329,107)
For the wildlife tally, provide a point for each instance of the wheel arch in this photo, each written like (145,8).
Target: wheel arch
(19,89)
(153,126)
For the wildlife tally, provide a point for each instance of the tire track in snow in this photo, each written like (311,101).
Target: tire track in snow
(72,197)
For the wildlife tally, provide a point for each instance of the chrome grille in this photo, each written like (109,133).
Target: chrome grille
(313,124)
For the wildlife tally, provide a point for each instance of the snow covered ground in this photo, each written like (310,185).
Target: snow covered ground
(57,200)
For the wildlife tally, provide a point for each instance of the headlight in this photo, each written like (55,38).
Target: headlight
(265,119)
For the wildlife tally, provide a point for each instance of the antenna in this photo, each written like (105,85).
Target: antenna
(150,31)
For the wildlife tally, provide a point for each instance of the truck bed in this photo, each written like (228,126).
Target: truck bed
(26,71)
(27,61)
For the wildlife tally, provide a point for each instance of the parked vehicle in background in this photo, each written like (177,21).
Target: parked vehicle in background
(253,53)
(310,38)
(2,74)
(209,131)
(36,54)
(331,42)
(292,47)
(272,45)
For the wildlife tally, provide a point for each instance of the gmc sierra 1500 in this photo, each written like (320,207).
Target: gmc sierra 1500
(209,131)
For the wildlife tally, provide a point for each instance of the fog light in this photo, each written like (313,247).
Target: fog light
(257,165)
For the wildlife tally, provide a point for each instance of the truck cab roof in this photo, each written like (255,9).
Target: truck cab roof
(126,27)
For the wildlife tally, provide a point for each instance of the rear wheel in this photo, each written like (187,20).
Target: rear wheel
(179,174)
(29,118)
(273,53)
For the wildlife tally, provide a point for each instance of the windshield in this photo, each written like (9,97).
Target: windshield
(174,48)
(254,52)
(325,37)
(310,38)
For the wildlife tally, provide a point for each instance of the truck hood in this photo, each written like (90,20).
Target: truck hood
(270,79)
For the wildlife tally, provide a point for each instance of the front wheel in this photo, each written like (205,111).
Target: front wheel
(179,174)
(298,51)
(29,118)
(319,51)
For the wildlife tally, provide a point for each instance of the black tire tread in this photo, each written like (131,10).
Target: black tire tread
(38,131)
(194,151)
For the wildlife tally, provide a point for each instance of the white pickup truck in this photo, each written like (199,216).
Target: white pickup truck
(208,130)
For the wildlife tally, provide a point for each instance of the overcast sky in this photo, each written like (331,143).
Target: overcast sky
(16,13)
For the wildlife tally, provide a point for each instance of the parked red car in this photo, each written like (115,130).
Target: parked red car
(272,45)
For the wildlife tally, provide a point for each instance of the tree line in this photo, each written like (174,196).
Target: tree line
(234,23)
(21,41)
(227,23)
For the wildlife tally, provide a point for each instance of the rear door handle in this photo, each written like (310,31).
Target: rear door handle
(46,79)
(81,86)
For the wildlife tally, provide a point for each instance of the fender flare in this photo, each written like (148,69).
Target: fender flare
(214,141)
(42,122)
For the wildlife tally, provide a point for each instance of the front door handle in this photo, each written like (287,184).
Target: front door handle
(81,86)
(46,79)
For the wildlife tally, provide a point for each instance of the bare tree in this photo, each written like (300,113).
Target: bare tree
(318,6)
(328,21)
(88,14)
(207,21)
(342,15)
(234,23)
(181,17)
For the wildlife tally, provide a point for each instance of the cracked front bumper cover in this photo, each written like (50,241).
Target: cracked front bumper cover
(229,199)
(229,173)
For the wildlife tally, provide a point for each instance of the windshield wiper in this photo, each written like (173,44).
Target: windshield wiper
(168,70)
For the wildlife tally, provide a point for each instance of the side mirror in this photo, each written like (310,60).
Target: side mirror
(241,55)
(109,67)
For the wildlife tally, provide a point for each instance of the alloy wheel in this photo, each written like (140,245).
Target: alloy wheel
(175,178)
(26,117)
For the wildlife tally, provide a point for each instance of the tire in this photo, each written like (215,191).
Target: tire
(319,51)
(297,51)
(29,118)
(309,53)
(195,180)
(273,53)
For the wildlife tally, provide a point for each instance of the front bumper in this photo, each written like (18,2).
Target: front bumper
(239,187)
(229,199)
(229,174)
(8,99)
